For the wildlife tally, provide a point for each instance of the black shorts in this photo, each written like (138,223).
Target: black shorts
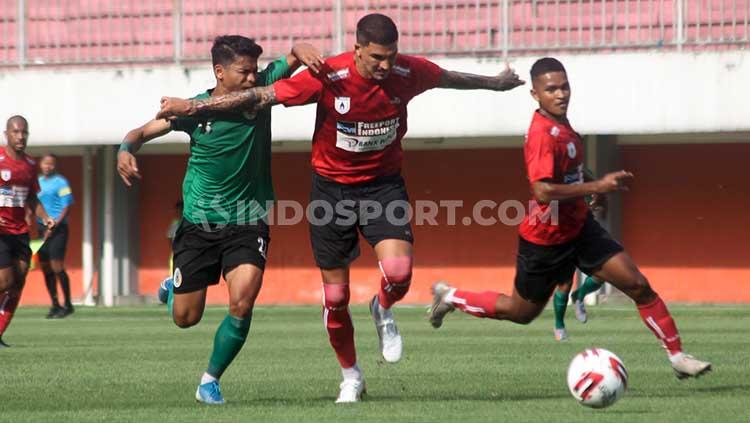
(54,247)
(539,268)
(14,248)
(201,256)
(340,211)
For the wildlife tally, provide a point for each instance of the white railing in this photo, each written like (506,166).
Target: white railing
(44,32)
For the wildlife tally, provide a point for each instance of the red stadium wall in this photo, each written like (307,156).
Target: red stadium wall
(684,228)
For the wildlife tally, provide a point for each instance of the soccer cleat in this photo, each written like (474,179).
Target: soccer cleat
(351,391)
(561,334)
(164,287)
(209,393)
(580,309)
(689,366)
(439,307)
(3,344)
(54,312)
(391,345)
(66,311)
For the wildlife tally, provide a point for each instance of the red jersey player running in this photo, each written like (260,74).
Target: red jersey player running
(548,253)
(18,188)
(357,188)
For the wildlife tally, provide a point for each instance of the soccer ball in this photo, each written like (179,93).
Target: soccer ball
(597,378)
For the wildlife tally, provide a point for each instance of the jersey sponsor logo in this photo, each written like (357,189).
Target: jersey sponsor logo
(13,196)
(5,175)
(360,137)
(338,75)
(342,104)
(177,277)
(396,100)
(401,71)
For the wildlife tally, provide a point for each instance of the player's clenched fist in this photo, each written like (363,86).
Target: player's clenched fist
(172,107)
(615,181)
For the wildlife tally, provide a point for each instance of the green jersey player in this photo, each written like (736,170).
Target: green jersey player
(226,189)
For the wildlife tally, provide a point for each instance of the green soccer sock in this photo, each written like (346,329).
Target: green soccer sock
(590,284)
(170,300)
(560,302)
(229,339)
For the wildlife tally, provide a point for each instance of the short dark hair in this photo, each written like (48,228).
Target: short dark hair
(546,65)
(226,48)
(53,155)
(376,28)
(15,118)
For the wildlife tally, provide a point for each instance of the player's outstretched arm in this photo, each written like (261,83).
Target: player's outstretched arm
(252,99)
(305,54)
(127,166)
(506,80)
(546,192)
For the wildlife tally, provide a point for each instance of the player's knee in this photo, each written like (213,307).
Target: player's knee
(335,296)
(397,270)
(185,319)
(241,308)
(641,291)
(523,319)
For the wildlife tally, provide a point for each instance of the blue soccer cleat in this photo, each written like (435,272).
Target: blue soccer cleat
(164,287)
(209,393)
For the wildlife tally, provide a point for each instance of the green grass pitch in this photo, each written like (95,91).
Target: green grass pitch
(133,365)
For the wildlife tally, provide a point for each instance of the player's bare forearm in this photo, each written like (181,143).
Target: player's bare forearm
(63,214)
(137,137)
(507,80)
(546,192)
(39,210)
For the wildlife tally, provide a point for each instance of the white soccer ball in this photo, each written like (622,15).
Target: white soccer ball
(597,378)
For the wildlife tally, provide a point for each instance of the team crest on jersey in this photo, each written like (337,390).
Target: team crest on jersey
(555,131)
(342,104)
(177,277)
(5,175)
(572,150)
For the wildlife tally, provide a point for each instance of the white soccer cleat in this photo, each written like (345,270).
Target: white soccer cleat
(580,308)
(689,366)
(561,334)
(439,307)
(391,345)
(351,391)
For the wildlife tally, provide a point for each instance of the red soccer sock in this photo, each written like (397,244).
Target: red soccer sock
(480,304)
(395,281)
(657,318)
(339,323)
(8,304)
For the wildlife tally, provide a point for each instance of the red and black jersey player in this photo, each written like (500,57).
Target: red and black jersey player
(19,186)
(362,99)
(549,251)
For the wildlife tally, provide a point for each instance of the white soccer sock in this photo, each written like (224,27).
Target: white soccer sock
(449,298)
(353,372)
(207,378)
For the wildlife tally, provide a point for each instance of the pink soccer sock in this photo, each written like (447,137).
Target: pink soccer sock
(339,323)
(480,304)
(8,304)
(656,316)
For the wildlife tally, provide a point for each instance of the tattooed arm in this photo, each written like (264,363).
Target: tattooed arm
(507,80)
(253,99)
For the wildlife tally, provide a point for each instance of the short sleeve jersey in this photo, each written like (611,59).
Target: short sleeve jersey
(554,152)
(228,177)
(360,122)
(55,194)
(18,183)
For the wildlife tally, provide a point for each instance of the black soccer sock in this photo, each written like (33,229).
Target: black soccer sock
(65,284)
(50,282)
